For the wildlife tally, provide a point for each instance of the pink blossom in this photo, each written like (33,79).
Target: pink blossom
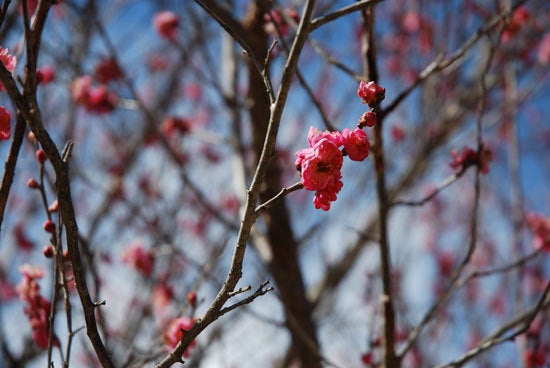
(176,330)
(320,164)
(315,135)
(324,197)
(166,24)
(371,93)
(142,260)
(45,74)
(5,124)
(9,62)
(356,144)
(368,119)
(101,100)
(80,89)
(540,227)
(543,54)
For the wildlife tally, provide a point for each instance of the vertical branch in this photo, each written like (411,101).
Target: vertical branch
(369,49)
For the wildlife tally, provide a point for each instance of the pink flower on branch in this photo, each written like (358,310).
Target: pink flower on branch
(371,93)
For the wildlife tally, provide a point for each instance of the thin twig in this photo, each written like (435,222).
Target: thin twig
(264,206)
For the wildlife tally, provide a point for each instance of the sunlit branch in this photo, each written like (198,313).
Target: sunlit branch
(497,338)
(264,206)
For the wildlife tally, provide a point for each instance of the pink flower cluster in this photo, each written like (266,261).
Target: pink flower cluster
(37,307)
(469,157)
(176,329)
(320,164)
(540,227)
(9,62)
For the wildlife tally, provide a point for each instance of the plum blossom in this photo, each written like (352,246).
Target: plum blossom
(45,74)
(356,144)
(320,164)
(176,329)
(368,119)
(371,93)
(9,62)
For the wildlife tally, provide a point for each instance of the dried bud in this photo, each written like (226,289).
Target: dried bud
(33,184)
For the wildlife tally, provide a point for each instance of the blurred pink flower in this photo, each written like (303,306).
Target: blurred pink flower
(141,259)
(166,24)
(5,124)
(176,329)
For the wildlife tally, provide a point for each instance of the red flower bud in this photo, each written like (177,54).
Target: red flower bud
(41,156)
(49,226)
(33,184)
(48,251)
(192,298)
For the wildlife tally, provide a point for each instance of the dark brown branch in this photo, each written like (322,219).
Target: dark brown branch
(10,164)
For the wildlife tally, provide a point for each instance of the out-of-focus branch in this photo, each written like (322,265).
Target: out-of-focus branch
(237,31)
(496,338)
(440,63)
